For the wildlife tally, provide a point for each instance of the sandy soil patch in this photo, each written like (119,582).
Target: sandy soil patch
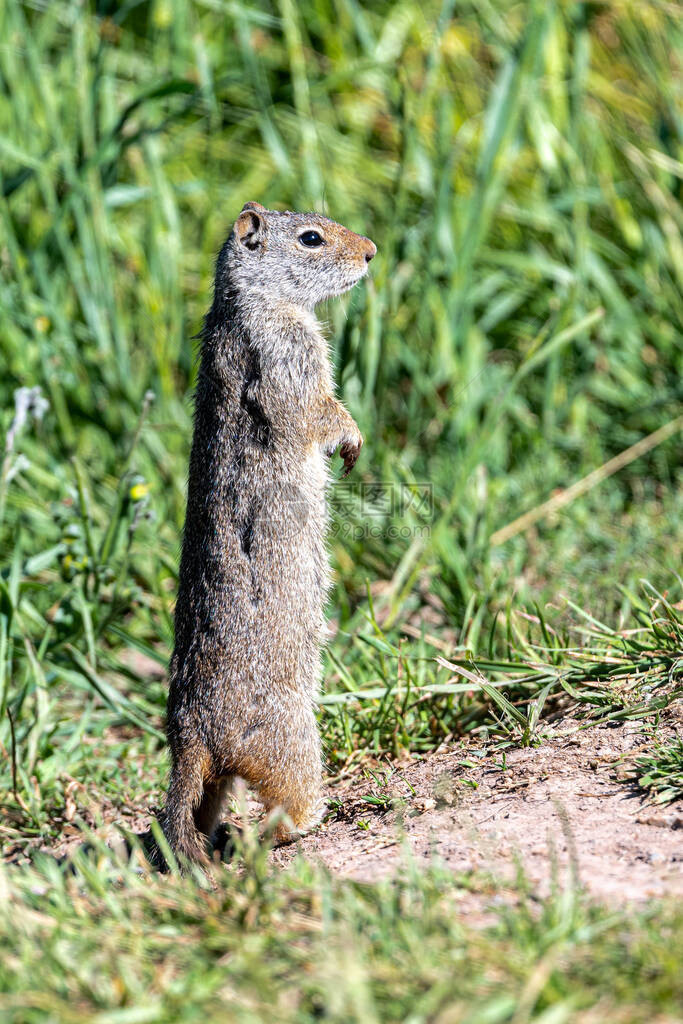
(562,801)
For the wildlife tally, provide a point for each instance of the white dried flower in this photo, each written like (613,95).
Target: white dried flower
(27,402)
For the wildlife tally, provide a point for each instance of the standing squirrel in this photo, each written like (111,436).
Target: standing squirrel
(254,574)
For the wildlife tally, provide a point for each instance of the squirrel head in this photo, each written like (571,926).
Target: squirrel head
(301,258)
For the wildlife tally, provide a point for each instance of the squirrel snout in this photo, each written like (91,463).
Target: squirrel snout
(370,251)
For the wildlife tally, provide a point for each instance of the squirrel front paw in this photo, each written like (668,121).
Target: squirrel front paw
(339,430)
(349,451)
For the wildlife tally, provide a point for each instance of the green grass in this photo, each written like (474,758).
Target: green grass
(418,699)
(300,946)
(661,771)
(519,166)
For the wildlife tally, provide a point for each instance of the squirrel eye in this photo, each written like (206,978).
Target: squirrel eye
(311,239)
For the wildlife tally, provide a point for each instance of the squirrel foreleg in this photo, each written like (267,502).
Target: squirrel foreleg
(338,429)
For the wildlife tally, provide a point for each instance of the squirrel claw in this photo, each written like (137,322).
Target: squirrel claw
(349,453)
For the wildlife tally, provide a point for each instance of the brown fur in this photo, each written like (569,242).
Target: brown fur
(254,569)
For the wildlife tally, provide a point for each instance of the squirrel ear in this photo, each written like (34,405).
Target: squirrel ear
(250,228)
(254,206)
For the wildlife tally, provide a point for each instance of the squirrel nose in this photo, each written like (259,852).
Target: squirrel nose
(371,251)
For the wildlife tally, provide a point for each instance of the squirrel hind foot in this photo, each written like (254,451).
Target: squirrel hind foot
(288,830)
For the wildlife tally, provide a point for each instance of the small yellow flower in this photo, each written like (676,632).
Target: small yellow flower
(163,15)
(67,562)
(42,324)
(138,492)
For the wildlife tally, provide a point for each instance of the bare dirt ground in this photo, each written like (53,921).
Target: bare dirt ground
(567,804)
(562,802)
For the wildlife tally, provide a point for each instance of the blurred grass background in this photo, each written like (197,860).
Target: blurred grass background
(519,166)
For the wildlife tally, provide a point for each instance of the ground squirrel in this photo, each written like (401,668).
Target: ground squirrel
(254,570)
